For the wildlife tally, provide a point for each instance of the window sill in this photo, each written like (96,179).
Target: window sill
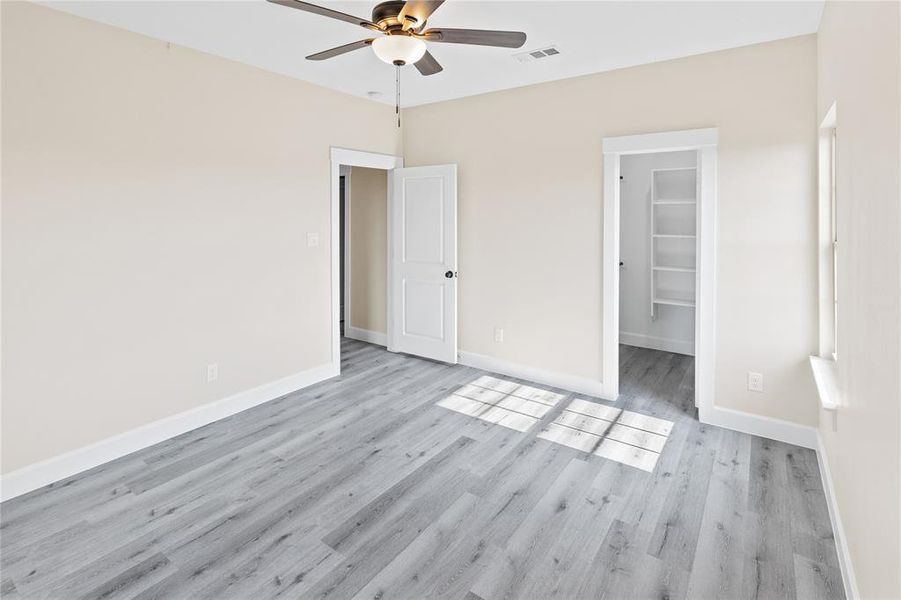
(825,376)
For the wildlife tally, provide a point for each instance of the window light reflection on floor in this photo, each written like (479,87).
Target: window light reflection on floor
(502,402)
(621,435)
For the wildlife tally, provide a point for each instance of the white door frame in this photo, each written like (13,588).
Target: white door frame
(344,171)
(350,158)
(704,141)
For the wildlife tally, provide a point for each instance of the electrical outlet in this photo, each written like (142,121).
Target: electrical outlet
(755,381)
(212,372)
(498,335)
(312,239)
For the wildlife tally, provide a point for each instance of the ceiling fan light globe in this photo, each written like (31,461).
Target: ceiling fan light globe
(399,49)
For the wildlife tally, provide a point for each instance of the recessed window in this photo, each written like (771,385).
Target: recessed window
(833,219)
(829,236)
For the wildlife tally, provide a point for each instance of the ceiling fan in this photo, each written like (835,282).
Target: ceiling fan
(403,34)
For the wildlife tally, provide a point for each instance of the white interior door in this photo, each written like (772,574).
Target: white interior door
(423,262)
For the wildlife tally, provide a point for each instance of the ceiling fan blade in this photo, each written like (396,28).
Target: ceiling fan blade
(333,52)
(477,37)
(327,12)
(427,65)
(415,12)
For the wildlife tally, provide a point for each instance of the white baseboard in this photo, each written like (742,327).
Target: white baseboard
(657,343)
(572,383)
(774,429)
(365,335)
(838,531)
(65,465)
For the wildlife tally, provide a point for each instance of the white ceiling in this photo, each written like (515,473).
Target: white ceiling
(592,36)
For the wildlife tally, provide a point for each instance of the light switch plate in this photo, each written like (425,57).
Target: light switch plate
(312,239)
(498,335)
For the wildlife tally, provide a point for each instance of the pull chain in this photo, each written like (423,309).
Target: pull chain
(397,94)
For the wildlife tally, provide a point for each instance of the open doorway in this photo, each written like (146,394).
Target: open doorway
(659,255)
(658,273)
(394,255)
(364,254)
(343,163)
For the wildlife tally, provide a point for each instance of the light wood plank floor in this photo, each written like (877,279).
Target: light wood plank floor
(362,486)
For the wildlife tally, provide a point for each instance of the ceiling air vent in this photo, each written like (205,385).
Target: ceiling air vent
(540,53)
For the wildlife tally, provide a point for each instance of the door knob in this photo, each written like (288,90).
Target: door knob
(450,274)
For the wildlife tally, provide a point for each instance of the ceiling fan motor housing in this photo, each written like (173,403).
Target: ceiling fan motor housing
(385,14)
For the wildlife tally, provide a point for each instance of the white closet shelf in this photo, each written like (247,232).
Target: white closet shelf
(676,201)
(675,301)
(673,208)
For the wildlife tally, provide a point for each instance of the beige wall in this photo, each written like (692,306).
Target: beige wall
(155,205)
(530,189)
(369,249)
(858,55)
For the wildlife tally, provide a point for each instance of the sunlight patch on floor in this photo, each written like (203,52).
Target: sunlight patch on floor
(621,435)
(502,402)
